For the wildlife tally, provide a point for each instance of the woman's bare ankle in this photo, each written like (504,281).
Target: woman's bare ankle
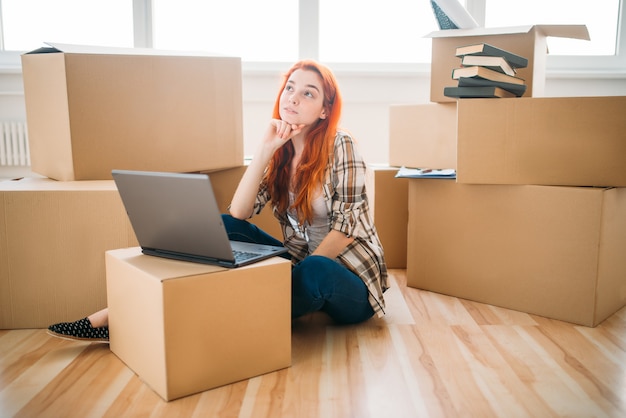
(99,319)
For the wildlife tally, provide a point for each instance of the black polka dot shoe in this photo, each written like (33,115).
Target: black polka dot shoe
(79,330)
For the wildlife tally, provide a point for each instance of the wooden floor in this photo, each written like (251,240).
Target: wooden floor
(432,356)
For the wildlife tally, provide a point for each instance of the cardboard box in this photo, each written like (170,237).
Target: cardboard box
(557,252)
(575,141)
(90,110)
(388,198)
(54,235)
(185,327)
(560,141)
(423,135)
(225,183)
(527,41)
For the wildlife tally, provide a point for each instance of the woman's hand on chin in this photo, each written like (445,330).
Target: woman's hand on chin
(282,131)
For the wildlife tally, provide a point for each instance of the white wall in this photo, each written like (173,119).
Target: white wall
(367,97)
(365,111)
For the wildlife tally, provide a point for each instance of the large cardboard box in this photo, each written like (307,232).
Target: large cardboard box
(557,252)
(185,327)
(54,235)
(423,135)
(527,41)
(92,109)
(573,141)
(388,198)
(576,141)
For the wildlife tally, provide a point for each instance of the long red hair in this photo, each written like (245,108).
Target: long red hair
(318,148)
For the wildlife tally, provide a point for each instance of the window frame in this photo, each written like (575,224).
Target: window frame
(576,66)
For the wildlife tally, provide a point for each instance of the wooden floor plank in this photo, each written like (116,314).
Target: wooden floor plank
(39,368)
(19,351)
(227,401)
(87,377)
(403,353)
(585,364)
(496,377)
(551,376)
(386,392)
(433,391)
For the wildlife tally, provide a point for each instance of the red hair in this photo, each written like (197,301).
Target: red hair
(318,148)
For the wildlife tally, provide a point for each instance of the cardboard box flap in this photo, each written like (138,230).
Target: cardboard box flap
(561,31)
(565,31)
(54,47)
(42,50)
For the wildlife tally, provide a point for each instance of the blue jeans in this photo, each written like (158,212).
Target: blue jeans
(317,283)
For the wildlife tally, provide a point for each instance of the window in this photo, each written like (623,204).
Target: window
(335,31)
(375,31)
(600,16)
(255,30)
(27,24)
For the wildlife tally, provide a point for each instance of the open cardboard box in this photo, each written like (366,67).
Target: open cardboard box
(184,328)
(92,109)
(528,41)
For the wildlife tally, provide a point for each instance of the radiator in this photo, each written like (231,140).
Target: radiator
(14,144)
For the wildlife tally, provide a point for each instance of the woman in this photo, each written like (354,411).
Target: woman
(314,179)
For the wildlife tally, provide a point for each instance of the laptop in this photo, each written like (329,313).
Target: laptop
(175,215)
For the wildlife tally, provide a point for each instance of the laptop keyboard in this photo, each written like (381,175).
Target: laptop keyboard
(243,255)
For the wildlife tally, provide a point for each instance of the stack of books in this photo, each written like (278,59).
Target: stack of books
(487,71)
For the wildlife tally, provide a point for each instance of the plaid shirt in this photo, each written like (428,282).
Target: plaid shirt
(348,212)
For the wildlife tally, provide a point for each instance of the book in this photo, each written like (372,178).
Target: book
(517,89)
(443,20)
(516,61)
(450,14)
(485,73)
(426,173)
(498,64)
(476,92)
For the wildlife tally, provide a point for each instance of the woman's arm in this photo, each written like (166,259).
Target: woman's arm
(242,205)
(333,244)
(349,182)
(276,135)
